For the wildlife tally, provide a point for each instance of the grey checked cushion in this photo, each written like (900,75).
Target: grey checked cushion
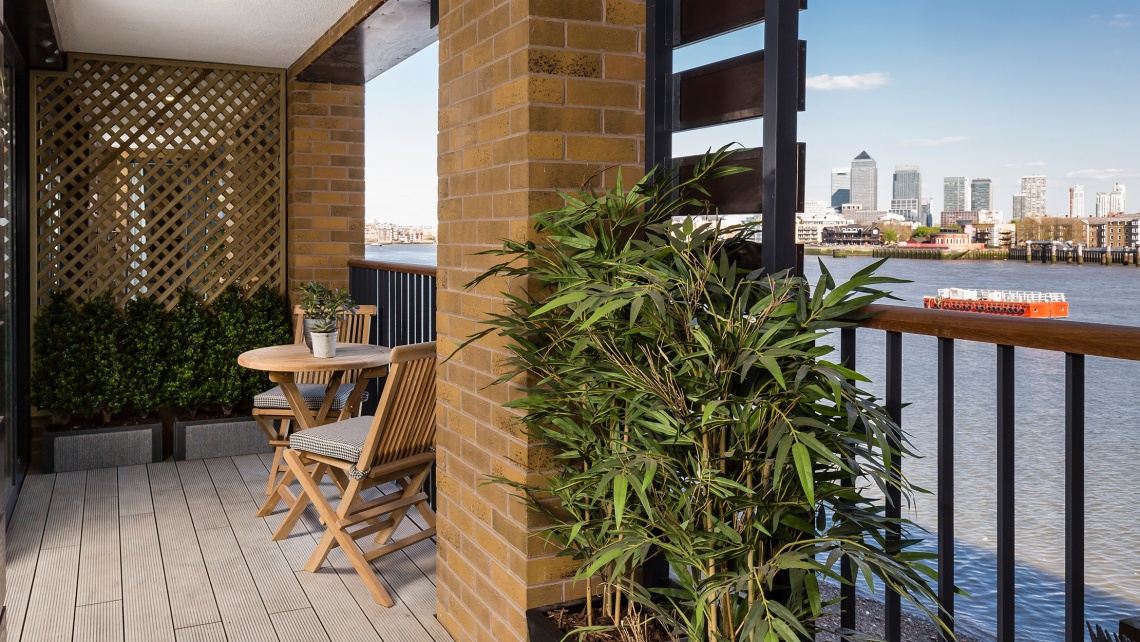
(342,440)
(314,394)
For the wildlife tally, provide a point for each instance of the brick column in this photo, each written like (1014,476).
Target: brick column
(535,96)
(324,182)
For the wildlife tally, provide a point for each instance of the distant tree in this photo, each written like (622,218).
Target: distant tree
(924,232)
(890,237)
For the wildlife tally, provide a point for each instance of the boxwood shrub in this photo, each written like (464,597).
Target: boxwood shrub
(95,360)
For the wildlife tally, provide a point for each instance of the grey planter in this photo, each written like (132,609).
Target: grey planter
(101,448)
(224,437)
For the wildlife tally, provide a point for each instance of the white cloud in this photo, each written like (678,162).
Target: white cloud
(1024,165)
(827,82)
(1103,174)
(934,142)
(1120,21)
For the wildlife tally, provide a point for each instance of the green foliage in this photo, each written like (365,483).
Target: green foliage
(100,335)
(93,359)
(188,330)
(890,236)
(692,410)
(58,373)
(322,305)
(144,351)
(924,232)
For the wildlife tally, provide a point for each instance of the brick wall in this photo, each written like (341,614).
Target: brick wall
(325,181)
(535,96)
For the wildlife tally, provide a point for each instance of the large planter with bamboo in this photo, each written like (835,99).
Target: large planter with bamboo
(697,418)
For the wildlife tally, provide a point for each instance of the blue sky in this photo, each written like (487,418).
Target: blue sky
(995,89)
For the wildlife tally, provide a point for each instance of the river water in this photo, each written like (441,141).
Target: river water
(1112,551)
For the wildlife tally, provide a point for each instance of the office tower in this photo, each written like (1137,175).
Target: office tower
(1110,203)
(818,208)
(982,195)
(865,182)
(955,194)
(907,183)
(840,187)
(1077,201)
(1020,206)
(925,215)
(1033,187)
(908,208)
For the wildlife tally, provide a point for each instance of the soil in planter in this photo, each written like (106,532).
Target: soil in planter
(571,619)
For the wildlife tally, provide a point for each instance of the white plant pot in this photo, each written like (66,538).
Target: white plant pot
(307,330)
(324,345)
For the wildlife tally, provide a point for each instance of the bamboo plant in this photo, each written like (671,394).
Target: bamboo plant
(695,415)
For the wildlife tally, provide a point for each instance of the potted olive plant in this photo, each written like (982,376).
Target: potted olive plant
(697,419)
(321,306)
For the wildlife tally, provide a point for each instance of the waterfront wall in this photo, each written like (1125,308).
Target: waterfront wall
(1033,254)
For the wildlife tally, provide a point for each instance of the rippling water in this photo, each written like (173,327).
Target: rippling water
(1097,294)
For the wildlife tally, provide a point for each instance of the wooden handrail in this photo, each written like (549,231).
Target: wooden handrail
(1094,339)
(407,268)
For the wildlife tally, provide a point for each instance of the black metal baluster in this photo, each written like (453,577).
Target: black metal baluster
(849,605)
(892,613)
(1074,497)
(659,94)
(946,486)
(1005,494)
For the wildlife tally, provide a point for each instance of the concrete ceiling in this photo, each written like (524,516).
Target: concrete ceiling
(263,33)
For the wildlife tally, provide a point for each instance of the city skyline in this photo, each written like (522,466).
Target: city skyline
(863,95)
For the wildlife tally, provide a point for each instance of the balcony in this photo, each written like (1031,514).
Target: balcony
(162,154)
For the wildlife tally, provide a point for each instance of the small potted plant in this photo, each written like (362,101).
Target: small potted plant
(321,306)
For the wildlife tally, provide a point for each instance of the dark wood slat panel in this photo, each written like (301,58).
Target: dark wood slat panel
(727,91)
(701,19)
(722,92)
(1094,339)
(740,193)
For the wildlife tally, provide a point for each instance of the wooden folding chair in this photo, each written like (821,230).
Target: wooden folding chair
(271,409)
(397,445)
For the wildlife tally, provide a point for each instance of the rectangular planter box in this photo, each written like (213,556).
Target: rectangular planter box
(224,437)
(101,448)
(539,627)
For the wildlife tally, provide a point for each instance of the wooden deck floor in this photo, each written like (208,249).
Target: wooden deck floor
(173,552)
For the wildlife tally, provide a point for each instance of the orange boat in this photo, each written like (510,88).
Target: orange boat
(1033,305)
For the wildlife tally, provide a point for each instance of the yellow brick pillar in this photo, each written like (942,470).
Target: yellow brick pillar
(535,96)
(324,181)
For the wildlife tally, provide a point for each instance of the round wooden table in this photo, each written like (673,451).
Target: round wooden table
(283,363)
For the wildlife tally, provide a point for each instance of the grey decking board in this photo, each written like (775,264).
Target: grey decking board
(270,569)
(201,497)
(64,525)
(191,600)
(228,481)
(101,622)
(301,625)
(100,570)
(24,536)
(146,605)
(213,632)
(243,613)
(134,491)
(155,507)
(51,608)
(103,482)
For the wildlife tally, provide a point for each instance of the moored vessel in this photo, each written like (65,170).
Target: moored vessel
(1033,305)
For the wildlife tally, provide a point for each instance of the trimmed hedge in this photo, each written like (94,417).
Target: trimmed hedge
(95,360)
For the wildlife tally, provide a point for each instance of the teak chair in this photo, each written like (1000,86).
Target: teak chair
(397,445)
(271,405)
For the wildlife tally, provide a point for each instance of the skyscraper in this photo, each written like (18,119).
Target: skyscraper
(1020,204)
(1077,201)
(925,216)
(865,182)
(1110,203)
(1033,187)
(982,195)
(840,187)
(955,194)
(906,193)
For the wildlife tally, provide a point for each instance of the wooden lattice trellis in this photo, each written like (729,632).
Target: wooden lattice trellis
(151,175)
